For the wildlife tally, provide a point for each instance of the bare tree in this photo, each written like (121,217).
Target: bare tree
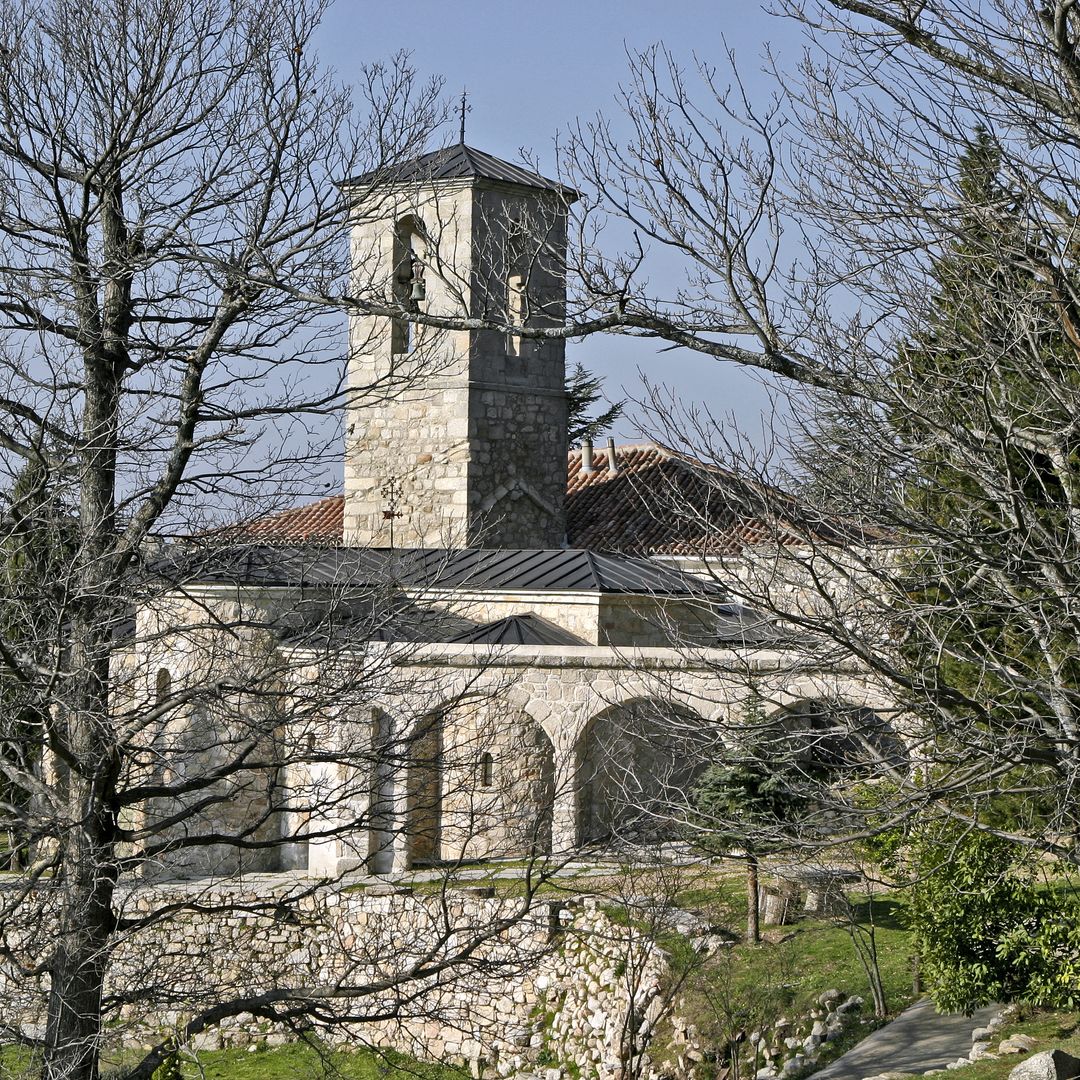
(172,228)
(842,238)
(171,199)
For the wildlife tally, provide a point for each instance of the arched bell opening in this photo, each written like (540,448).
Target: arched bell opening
(409,280)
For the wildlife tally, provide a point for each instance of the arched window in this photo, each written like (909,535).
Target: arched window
(408,284)
(162,686)
(487,770)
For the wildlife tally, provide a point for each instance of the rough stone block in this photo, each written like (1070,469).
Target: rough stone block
(1048,1065)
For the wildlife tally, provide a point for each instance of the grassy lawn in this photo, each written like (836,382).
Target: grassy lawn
(795,963)
(304,1063)
(296,1061)
(821,956)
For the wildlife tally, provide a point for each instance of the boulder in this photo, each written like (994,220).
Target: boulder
(1048,1065)
(792,1066)
(386,888)
(850,1005)
(1017,1044)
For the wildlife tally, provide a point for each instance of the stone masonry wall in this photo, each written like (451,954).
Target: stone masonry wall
(548,989)
(458,438)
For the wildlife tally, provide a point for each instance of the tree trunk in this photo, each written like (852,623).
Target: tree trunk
(87,870)
(84,743)
(864,939)
(753,930)
(78,968)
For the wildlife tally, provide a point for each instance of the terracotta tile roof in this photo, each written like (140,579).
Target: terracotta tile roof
(657,502)
(321,522)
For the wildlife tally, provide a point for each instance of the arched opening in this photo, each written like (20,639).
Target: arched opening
(381,813)
(517,311)
(409,285)
(840,742)
(293,784)
(635,764)
(530,796)
(424,785)
(498,783)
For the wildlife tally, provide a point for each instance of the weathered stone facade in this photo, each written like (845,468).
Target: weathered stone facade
(457,438)
(493,751)
(409,751)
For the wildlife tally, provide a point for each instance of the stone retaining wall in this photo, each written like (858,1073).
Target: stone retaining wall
(562,984)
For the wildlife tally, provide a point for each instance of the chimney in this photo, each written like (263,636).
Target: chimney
(612,463)
(586,457)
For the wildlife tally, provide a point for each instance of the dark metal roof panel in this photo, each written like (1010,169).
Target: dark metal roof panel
(554,570)
(519,630)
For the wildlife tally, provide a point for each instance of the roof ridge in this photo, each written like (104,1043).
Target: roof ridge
(467,153)
(593,569)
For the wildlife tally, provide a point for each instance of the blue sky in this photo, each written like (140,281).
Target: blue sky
(531,70)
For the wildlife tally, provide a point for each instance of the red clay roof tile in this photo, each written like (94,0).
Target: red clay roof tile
(656,502)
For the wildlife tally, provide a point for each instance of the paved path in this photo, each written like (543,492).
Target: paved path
(919,1039)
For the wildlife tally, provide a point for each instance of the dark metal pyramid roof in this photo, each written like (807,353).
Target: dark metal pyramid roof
(461,162)
(524,629)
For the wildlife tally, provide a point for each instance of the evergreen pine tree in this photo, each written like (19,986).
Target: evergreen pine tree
(583,391)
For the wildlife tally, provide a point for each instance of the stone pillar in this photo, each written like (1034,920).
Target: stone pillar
(564,812)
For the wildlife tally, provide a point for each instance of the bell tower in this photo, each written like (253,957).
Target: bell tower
(456,436)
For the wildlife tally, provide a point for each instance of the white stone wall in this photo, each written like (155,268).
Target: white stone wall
(529,740)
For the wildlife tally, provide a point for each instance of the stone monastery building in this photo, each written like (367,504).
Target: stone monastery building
(555,656)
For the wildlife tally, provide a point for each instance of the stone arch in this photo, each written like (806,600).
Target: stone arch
(634,764)
(531,797)
(842,740)
(498,782)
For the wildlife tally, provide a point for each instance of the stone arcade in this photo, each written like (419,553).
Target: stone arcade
(537,631)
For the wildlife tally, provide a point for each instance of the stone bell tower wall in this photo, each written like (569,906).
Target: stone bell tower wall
(457,438)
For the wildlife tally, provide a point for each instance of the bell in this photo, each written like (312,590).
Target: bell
(419,291)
